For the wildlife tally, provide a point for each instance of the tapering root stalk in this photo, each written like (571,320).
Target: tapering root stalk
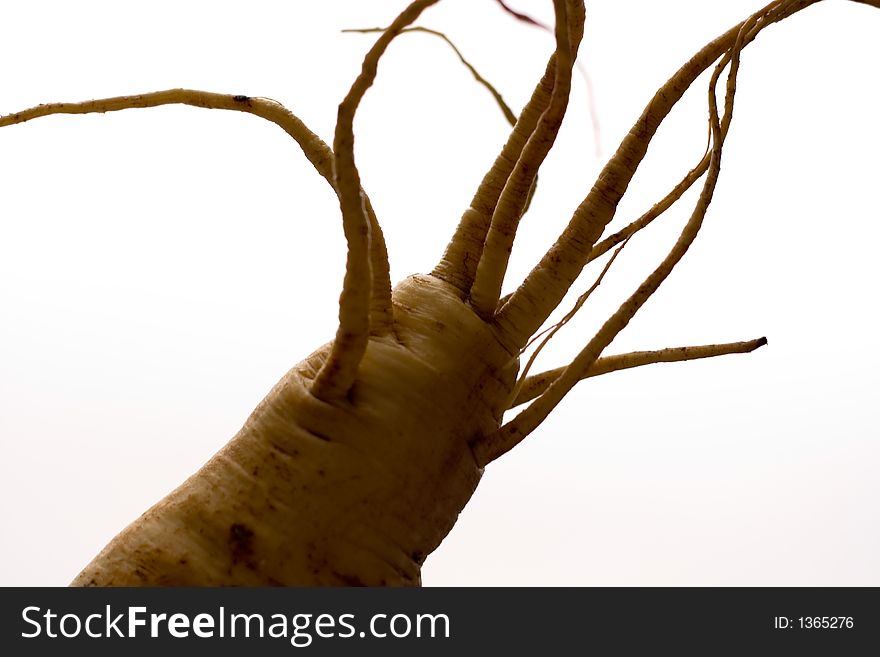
(534,386)
(499,241)
(381,320)
(336,376)
(313,147)
(490,447)
(545,286)
(458,266)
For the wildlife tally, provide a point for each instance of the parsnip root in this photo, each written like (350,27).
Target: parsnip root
(358,462)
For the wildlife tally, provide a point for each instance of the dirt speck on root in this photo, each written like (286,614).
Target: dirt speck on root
(241,542)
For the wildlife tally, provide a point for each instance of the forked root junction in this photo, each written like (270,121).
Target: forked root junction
(475,260)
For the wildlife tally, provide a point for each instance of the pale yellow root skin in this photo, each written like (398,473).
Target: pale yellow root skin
(354,493)
(357,464)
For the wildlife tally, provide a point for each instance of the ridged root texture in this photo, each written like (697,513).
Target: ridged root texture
(357,492)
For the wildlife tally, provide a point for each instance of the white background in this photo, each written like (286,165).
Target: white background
(160,269)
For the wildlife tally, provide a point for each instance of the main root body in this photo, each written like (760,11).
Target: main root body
(357,464)
(354,492)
